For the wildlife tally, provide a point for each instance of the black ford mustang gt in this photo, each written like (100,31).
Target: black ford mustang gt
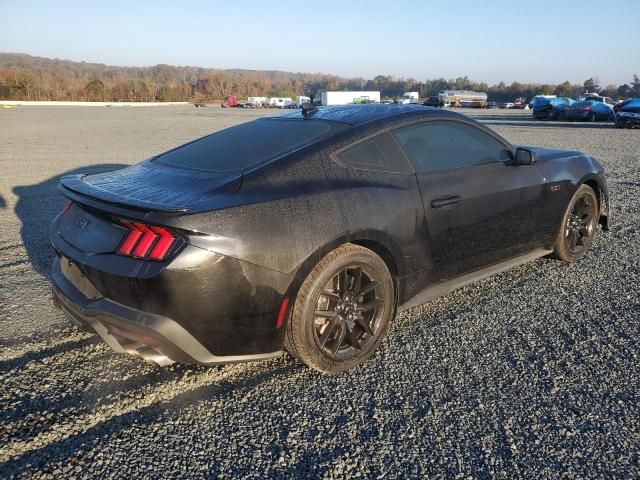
(309,231)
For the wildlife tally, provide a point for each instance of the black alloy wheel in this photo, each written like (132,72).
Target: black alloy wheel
(348,312)
(342,310)
(579,225)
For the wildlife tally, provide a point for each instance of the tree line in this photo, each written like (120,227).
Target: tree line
(23,77)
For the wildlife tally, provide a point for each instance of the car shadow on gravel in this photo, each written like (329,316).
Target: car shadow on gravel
(101,433)
(36,207)
(84,401)
(21,361)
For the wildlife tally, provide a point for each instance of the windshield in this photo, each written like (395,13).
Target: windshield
(248,144)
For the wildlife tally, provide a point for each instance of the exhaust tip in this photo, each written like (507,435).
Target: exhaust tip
(152,356)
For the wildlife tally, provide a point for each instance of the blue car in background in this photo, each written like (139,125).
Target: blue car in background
(545,108)
(590,111)
(628,114)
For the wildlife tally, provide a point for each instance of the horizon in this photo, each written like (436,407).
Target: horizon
(394,77)
(333,44)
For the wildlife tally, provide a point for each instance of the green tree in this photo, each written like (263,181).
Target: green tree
(591,85)
(635,86)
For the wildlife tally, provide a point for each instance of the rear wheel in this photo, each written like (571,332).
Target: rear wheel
(342,311)
(579,225)
(592,117)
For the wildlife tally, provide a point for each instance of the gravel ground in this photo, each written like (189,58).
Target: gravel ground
(533,373)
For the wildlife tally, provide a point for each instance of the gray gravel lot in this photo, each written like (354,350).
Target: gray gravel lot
(533,373)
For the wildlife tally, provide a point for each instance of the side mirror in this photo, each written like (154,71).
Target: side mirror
(524,156)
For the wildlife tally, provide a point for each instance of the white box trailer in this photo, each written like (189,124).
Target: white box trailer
(257,101)
(279,102)
(302,99)
(346,98)
(410,97)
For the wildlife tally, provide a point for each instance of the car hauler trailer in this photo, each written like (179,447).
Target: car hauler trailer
(463,98)
(345,98)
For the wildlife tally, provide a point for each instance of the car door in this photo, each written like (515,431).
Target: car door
(480,207)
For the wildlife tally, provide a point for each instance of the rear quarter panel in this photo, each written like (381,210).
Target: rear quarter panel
(290,213)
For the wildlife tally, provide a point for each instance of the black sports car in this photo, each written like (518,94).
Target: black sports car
(309,231)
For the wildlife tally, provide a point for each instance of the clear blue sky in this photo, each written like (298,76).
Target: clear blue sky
(528,41)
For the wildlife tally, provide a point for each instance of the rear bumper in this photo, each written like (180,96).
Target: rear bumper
(544,114)
(156,338)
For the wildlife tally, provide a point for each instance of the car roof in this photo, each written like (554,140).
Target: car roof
(360,114)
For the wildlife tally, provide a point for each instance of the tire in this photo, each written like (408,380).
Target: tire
(579,225)
(592,117)
(326,342)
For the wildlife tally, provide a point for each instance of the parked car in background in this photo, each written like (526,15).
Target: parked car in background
(493,105)
(590,111)
(308,231)
(433,101)
(551,108)
(598,98)
(628,113)
(507,105)
(531,102)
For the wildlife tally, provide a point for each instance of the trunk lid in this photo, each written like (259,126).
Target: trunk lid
(89,231)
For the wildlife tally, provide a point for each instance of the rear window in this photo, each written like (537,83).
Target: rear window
(541,101)
(248,144)
(583,104)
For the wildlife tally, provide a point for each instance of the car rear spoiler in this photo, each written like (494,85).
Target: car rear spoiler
(72,187)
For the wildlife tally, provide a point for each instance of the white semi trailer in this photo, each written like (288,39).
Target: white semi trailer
(345,98)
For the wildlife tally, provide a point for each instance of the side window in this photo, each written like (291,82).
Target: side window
(444,145)
(379,153)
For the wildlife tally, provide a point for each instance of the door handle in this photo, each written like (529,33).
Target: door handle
(444,201)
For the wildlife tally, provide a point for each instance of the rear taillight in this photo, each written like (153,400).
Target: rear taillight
(586,109)
(146,241)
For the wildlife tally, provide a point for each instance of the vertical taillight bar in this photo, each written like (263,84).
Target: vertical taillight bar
(146,241)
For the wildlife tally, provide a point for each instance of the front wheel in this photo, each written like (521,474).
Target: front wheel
(579,226)
(342,311)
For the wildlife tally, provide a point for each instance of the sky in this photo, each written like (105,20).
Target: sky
(537,41)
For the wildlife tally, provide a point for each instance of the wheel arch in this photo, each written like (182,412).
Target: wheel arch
(379,242)
(602,196)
